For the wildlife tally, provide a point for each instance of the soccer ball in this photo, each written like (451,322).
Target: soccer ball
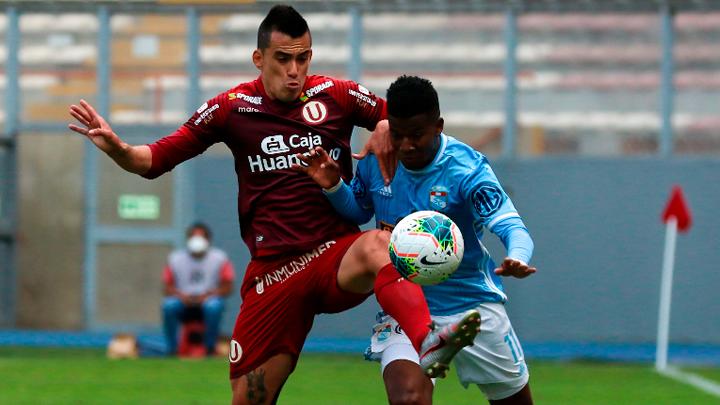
(426,247)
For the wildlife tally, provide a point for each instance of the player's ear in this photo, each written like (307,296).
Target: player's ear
(439,125)
(257,58)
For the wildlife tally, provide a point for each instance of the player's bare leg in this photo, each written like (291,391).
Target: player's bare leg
(366,266)
(262,386)
(406,383)
(522,397)
(362,262)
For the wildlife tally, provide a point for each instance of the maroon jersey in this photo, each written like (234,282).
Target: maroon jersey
(281,211)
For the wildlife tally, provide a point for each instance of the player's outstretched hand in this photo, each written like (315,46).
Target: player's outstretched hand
(379,144)
(95,128)
(320,167)
(514,268)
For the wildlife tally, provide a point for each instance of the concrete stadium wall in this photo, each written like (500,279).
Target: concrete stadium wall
(50,232)
(598,248)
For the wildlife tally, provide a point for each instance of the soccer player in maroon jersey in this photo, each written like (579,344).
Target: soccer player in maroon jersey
(306,258)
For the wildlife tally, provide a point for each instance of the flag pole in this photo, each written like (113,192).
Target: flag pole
(661,353)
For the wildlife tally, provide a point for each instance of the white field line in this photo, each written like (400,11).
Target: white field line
(703,384)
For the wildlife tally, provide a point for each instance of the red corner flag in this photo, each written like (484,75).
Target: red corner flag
(677,207)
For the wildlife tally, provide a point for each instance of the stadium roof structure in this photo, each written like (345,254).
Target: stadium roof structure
(215,6)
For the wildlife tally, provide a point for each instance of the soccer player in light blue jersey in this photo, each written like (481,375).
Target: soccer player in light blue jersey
(440,173)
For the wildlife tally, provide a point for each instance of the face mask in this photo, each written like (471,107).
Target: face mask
(197,244)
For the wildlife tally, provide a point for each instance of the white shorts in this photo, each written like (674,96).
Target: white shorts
(495,361)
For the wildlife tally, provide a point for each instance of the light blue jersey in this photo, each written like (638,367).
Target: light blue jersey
(459,183)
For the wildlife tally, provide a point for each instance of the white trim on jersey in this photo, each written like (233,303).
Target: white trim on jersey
(488,278)
(499,218)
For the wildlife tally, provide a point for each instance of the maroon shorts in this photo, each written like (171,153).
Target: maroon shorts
(280,298)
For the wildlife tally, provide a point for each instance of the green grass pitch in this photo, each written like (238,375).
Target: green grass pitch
(82,376)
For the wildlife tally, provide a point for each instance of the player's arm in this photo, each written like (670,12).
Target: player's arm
(326,173)
(379,144)
(369,111)
(519,245)
(493,209)
(134,159)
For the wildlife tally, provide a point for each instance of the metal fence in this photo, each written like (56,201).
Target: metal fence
(517,80)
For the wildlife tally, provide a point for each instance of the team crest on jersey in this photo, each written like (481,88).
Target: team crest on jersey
(487,199)
(438,197)
(314,112)
(259,286)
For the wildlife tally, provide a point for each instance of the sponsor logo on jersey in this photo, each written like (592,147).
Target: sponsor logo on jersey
(291,268)
(247,110)
(362,97)
(274,144)
(317,89)
(438,197)
(362,89)
(259,285)
(235,351)
(487,199)
(206,115)
(386,191)
(314,112)
(202,108)
(257,100)
(286,149)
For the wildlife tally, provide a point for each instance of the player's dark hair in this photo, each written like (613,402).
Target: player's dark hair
(409,96)
(281,18)
(199,225)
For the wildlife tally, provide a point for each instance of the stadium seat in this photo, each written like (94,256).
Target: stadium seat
(192,333)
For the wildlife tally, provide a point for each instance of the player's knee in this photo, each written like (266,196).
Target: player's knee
(409,394)
(376,248)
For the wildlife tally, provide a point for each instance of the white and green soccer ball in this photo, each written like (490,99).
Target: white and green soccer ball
(426,247)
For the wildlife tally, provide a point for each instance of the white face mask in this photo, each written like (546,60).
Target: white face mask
(197,244)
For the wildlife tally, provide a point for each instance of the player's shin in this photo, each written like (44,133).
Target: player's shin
(404,301)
